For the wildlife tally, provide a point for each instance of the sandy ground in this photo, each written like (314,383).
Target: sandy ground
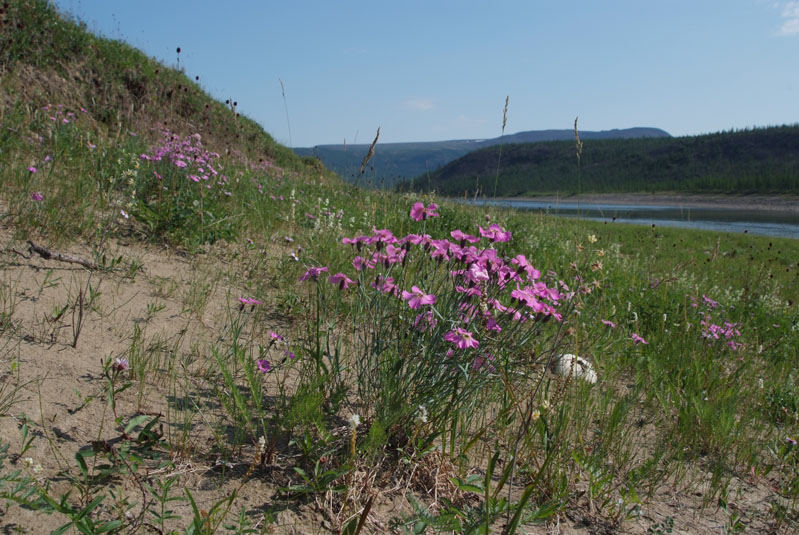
(180,303)
(775,203)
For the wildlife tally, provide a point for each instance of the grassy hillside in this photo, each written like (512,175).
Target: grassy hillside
(46,60)
(762,160)
(202,333)
(395,162)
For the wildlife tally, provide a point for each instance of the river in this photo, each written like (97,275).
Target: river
(725,219)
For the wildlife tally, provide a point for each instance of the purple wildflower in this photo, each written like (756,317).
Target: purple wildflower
(463,237)
(342,280)
(312,274)
(461,338)
(495,233)
(419,212)
(416,298)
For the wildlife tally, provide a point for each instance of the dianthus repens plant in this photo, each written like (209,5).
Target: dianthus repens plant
(440,333)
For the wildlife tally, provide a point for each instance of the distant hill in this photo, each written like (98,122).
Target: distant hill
(761,160)
(395,162)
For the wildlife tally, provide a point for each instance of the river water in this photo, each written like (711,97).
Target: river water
(763,222)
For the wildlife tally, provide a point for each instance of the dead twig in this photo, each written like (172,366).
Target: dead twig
(47,254)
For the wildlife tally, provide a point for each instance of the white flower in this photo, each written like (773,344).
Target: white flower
(567,365)
(355,421)
(124,214)
(27,461)
(423,414)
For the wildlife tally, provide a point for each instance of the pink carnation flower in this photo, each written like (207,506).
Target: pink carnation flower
(342,280)
(461,338)
(416,298)
(312,274)
(419,212)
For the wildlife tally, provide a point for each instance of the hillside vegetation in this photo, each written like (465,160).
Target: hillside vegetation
(43,57)
(761,160)
(396,162)
(202,333)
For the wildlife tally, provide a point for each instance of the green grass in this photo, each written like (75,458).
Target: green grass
(488,432)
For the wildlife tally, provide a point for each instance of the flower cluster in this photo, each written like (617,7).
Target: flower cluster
(713,330)
(489,291)
(188,155)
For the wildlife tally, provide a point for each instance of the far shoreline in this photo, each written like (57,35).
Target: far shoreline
(755,202)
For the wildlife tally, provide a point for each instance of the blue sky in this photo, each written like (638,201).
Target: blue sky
(439,69)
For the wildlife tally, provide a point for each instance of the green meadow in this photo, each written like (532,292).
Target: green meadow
(202,333)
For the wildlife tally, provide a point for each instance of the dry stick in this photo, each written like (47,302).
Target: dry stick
(579,147)
(286,107)
(47,254)
(499,160)
(370,153)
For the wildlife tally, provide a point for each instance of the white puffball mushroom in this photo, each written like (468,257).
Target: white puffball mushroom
(567,365)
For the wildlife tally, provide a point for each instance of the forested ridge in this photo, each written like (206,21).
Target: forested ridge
(760,160)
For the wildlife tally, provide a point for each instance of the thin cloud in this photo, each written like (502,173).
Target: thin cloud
(790,19)
(419,104)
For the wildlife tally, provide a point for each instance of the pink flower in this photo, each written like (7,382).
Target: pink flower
(419,212)
(37,196)
(461,338)
(276,337)
(354,241)
(638,340)
(264,366)
(477,273)
(416,298)
(461,236)
(495,233)
(249,301)
(523,263)
(312,274)
(492,324)
(32,169)
(479,361)
(359,263)
(609,324)
(385,285)
(425,320)
(342,280)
